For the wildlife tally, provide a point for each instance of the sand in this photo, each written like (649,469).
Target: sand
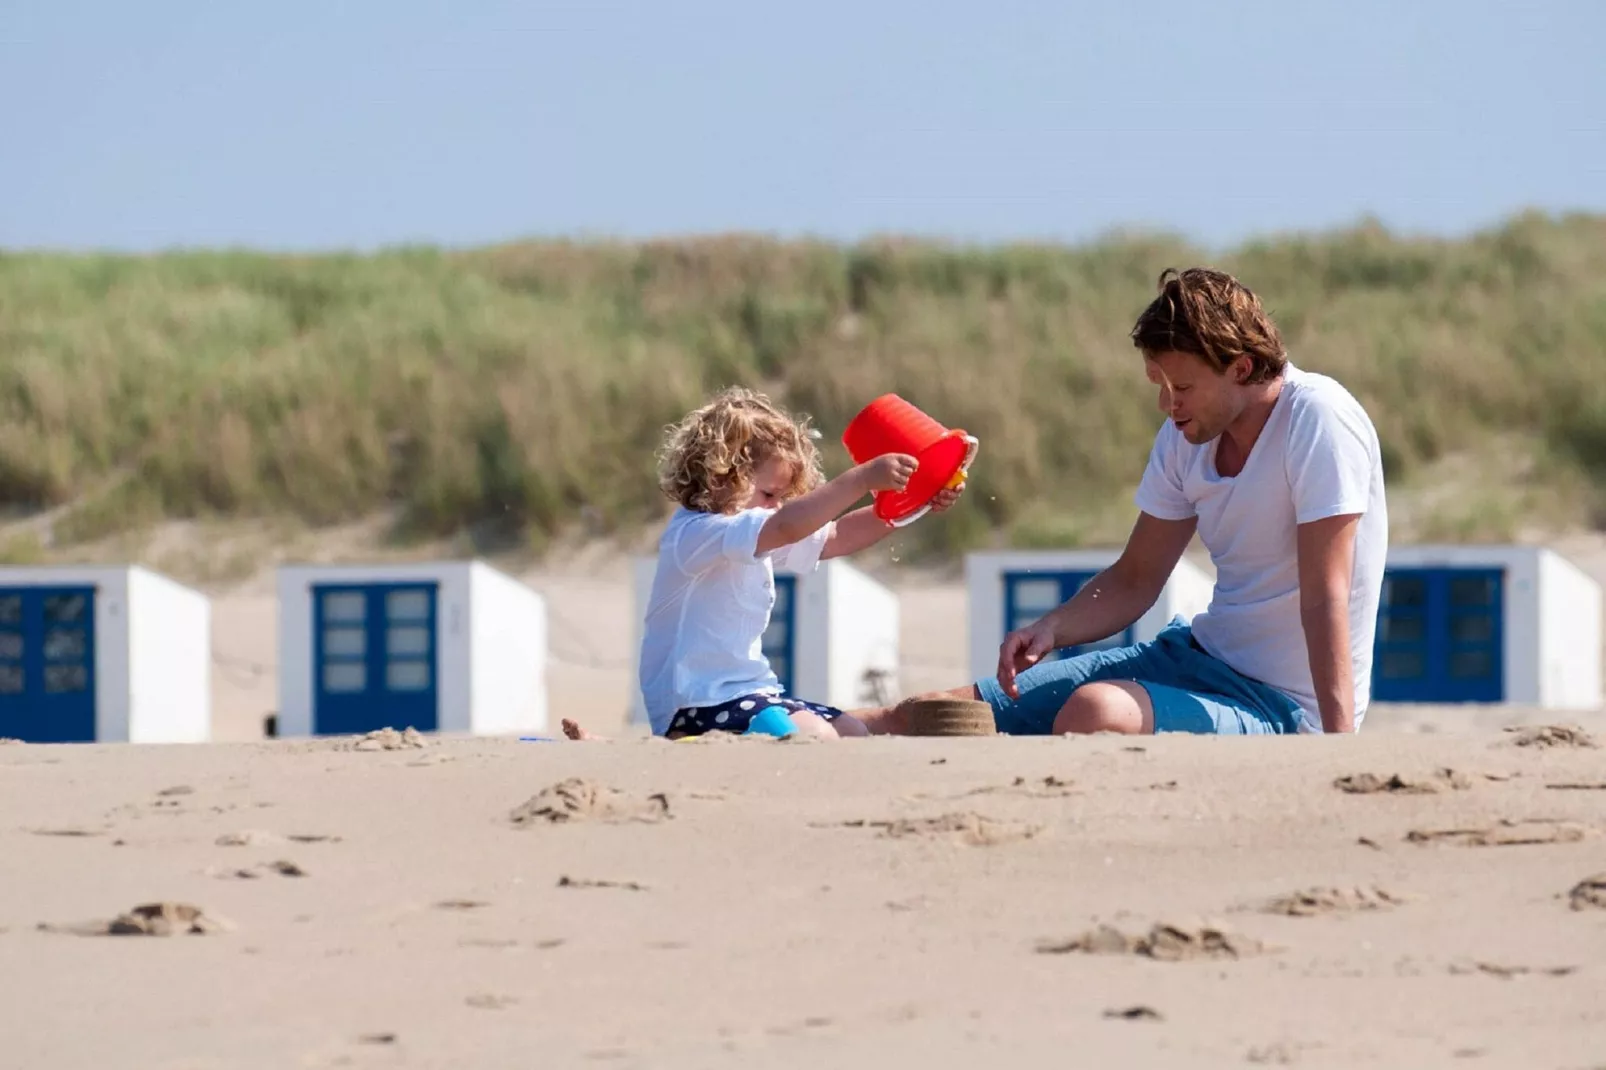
(1097,901)
(1428,893)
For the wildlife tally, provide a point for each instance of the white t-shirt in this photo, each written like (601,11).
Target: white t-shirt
(1318,456)
(711,599)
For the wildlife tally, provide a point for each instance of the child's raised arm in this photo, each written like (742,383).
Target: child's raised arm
(803,516)
(862,529)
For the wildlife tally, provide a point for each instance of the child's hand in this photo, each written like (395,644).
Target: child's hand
(890,471)
(946,498)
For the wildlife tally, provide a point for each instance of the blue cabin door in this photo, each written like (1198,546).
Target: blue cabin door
(47,664)
(1440,636)
(779,643)
(1030,595)
(375,660)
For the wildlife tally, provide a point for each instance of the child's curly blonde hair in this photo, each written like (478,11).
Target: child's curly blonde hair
(707,460)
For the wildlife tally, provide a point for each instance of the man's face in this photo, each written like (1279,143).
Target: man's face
(1201,401)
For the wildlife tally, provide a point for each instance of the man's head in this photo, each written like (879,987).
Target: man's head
(1208,346)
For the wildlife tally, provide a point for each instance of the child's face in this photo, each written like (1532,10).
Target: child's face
(771,478)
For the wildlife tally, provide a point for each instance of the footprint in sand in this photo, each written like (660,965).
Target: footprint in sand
(584,882)
(170,798)
(576,799)
(1138,1013)
(1395,784)
(968,828)
(1504,834)
(1048,787)
(282,868)
(387,739)
(1164,942)
(1589,893)
(1498,970)
(1310,902)
(69,833)
(1551,735)
(151,919)
(262,838)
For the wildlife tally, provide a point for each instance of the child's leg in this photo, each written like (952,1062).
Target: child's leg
(847,726)
(827,722)
(812,724)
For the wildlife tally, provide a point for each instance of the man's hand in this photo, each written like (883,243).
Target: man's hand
(1021,650)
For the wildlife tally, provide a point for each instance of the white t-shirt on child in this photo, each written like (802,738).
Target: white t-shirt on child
(710,604)
(1318,456)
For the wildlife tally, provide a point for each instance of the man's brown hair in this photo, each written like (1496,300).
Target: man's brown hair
(1212,315)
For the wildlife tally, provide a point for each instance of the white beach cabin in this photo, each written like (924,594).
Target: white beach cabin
(448,646)
(1495,624)
(1008,589)
(103,654)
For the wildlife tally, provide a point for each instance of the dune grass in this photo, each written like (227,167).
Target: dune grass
(519,391)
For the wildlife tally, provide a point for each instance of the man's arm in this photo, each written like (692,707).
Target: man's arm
(1326,565)
(1109,603)
(1115,598)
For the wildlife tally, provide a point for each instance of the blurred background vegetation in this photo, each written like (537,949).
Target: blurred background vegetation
(517,393)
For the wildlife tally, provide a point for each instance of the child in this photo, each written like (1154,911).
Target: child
(751,495)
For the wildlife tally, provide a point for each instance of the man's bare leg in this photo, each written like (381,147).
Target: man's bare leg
(894,720)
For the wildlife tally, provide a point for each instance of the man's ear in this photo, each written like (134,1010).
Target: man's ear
(1241,369)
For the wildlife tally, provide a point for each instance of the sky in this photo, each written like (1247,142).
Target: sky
(139,125)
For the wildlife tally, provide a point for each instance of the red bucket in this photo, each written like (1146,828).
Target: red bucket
(889,424)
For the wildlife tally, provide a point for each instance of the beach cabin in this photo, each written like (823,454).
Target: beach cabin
(1496,624)
(444,646)
(103,654)
(1008,589)
(833,636)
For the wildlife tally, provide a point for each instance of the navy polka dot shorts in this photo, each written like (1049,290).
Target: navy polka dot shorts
(738,713)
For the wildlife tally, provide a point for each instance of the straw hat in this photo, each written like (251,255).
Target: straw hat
(948,717)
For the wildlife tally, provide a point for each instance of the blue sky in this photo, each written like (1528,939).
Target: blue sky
(315,125)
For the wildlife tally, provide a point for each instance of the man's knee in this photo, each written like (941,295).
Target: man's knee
(1107,706)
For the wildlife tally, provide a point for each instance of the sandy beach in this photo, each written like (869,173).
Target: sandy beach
(762,903)
(1099,901)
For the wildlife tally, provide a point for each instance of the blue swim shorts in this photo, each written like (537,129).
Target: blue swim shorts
(1190,690)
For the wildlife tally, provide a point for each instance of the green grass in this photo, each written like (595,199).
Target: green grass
(518,392)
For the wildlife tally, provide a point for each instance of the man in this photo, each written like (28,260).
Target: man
(1279,472)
